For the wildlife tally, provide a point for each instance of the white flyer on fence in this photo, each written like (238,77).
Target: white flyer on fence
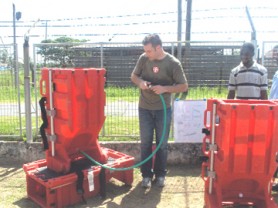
(189,120)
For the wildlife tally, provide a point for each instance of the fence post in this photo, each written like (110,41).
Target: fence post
(27,91)
(101,66)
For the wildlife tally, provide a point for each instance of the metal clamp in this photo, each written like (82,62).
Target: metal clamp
(52,138)
(212,147)
(51,112)
(211,174)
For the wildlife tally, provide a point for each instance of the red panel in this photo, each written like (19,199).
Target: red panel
(79,101)
(246,135)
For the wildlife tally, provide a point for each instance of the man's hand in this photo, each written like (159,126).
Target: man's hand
(144,85)
(158,89)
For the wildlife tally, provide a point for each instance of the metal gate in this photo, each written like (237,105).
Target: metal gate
(268,58)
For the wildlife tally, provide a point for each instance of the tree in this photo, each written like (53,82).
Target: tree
(5,59)
(4,56)
(59,52)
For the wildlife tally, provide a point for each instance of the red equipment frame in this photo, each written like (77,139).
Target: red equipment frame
(73,114)
(241,145)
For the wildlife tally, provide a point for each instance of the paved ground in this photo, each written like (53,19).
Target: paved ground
(184,189)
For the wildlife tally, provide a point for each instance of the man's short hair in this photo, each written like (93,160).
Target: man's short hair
(153,39)
(248,47)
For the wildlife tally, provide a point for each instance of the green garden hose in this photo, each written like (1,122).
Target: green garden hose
(148,158)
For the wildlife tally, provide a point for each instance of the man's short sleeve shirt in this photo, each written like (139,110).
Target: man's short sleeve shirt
(248,82)
(165,72)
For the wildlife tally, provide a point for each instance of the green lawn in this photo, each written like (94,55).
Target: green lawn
(115,128)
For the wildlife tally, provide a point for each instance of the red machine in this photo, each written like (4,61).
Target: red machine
(241,144)
(73,114)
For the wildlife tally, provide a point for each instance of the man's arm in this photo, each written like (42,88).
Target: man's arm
(264,84)
(158,89)
(231,94)
(142,84)
(264,95)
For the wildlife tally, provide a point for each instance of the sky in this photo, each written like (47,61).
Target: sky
(130,20)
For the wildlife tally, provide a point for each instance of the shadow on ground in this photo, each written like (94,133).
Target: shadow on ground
(184,189)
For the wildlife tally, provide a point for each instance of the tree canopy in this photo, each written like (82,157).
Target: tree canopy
(59,52)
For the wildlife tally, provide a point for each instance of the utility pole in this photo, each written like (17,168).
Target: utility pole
(45,36)
(188,20)
(179,29)
(17,16)
(27,90)
(253,34)
(27,93)
(15,50)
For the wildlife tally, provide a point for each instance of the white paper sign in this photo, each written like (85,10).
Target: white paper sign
(91,180)
(189,120)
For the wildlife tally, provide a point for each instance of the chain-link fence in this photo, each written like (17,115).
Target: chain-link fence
(269,58)
(207,66)
(10,112)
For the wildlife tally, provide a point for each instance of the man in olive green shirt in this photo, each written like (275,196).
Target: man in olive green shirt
(156,72)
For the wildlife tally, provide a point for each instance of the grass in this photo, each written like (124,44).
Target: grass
(9,93)
(129,94)
(116,127)
(201,92)
(9,125)
(126,127)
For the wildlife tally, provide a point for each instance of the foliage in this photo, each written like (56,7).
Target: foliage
(5,59)
(59,55)
(3,56)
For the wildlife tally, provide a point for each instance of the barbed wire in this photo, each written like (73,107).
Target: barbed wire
(104,17)
(222,17)
(128,20)
(143,33)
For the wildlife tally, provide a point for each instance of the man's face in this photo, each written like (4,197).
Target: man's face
(246,57)
(151,51)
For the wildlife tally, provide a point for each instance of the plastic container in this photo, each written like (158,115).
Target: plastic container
(75,101)
(241,147)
